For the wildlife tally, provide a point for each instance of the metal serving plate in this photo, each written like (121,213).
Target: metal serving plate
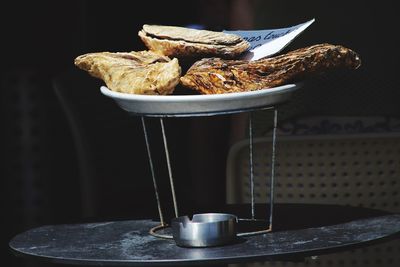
(200,105)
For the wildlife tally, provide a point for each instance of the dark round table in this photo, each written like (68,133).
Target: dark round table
(301,230)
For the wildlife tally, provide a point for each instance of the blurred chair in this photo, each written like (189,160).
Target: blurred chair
(109,148)
(357,169)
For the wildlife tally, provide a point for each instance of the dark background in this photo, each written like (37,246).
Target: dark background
(58,129)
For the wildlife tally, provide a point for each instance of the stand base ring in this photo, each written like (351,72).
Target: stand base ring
(153,231)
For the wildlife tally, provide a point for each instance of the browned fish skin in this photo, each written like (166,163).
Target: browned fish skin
(142,72)
(217,76)
(184,42)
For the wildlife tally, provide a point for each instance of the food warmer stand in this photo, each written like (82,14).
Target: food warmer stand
(151,243)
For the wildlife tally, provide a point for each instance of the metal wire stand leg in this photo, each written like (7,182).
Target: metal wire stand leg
(171,180)
(162,222)
(251,165)
(272,179)
(146,138)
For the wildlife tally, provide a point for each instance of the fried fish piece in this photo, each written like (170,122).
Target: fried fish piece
(141,72)
(217,76)
(184,42)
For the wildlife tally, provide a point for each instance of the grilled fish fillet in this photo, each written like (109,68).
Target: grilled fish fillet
(216,76)
(141,72)
(184,42)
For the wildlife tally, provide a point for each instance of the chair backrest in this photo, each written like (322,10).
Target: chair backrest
(348,169)
(357,170)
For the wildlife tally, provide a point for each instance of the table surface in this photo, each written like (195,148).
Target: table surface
(128,242)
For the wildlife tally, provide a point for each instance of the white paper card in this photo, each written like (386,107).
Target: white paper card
(265,43)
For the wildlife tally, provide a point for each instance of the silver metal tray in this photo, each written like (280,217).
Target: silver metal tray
(200,105)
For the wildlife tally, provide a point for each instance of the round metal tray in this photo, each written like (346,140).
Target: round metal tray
(200,105)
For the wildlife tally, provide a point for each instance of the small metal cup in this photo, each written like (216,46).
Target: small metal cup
(204,230)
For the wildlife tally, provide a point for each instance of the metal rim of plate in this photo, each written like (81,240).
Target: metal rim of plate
(200,105)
